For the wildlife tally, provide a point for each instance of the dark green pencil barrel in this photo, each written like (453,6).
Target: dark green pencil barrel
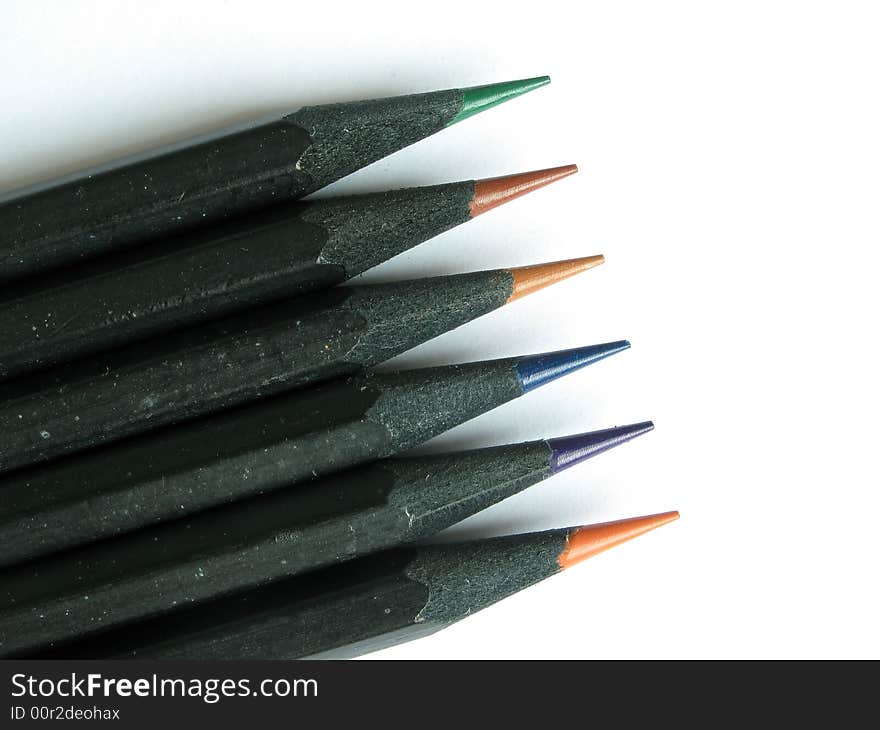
(255,449)
(334,613)
(194,183)
(269,255)
(238,453)
(345,611)
(305,616)
(195,372)
(256,541)
(289,532)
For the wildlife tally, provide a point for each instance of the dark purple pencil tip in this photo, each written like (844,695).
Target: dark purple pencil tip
(570,450)
(536,370)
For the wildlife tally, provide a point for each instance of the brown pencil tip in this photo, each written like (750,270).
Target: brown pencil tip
(492,192)
(528,279)
(585,542)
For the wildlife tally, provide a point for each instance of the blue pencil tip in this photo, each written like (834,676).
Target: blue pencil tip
(536,370)
(570,450)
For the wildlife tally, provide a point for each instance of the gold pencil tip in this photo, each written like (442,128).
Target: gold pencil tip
(528,279)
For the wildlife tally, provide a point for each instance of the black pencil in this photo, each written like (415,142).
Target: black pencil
(364,605)
(258,448)
(192,183)
(290,532)
(253,354)
(257,258)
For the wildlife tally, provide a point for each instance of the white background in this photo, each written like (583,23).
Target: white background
(730,172)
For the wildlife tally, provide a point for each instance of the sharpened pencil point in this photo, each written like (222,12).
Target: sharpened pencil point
(528,279)
(495,191)
(537,370)
(571,450)
(479,98)
(589,540)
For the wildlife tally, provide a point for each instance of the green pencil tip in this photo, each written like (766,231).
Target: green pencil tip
(479,98)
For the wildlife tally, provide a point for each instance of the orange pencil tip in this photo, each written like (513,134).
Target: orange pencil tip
(492,192)
(585,542)
(528,279)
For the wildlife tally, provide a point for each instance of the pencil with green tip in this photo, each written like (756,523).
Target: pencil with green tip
(175,188)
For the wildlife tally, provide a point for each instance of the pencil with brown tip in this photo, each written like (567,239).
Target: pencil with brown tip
(368,604)
(272,254)
(192,183)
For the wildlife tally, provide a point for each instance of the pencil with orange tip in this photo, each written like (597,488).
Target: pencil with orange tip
(272,254)
(192,183)
(368,604)
(280,346)
(290,531)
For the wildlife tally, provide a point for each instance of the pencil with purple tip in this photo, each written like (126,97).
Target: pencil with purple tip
(289,532)
(261,447)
